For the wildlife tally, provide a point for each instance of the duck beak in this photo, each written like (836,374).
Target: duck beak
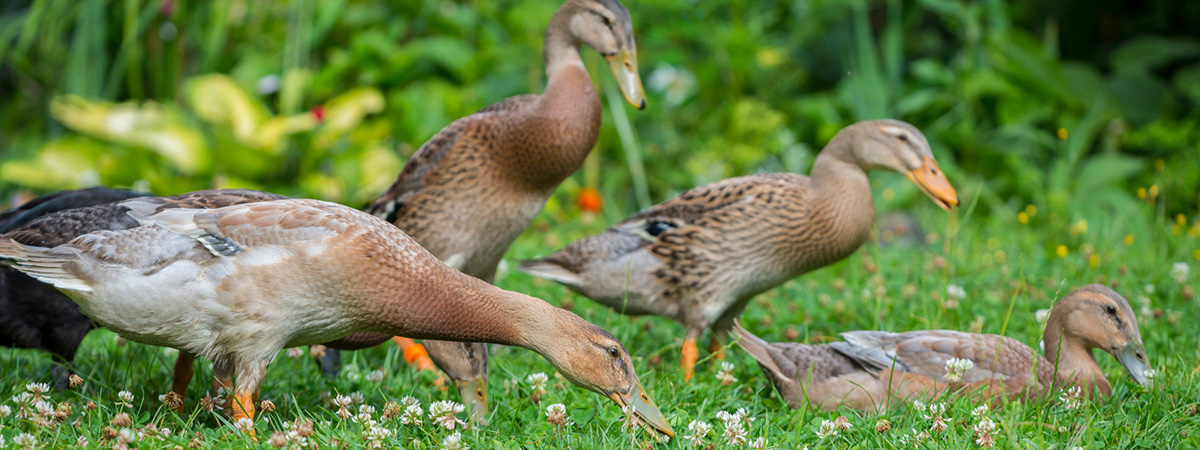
(625,69)
(933,182)
(474,394)
(643,407)
(1133,359)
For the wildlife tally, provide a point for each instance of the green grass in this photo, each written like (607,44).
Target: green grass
(1009,271)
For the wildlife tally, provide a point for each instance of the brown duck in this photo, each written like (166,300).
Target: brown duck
(872,368)
(237,284)
(474,187)
(700,257)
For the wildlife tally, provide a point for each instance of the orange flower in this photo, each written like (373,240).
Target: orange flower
(590,200)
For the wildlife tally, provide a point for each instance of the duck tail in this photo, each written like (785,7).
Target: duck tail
(549,269)
(758,348)
(43,264)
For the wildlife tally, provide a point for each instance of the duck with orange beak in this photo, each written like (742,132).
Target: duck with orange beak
(700,257)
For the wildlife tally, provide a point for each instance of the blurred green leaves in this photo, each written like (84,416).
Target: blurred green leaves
(745,86)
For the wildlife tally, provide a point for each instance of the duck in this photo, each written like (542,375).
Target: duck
(32,314)
(472,189)
(237,284)
(700,257)
(870,369)
(55,219)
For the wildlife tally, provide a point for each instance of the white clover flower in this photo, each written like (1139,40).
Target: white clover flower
(980,411)
(725,375)
(1150,374)
(984,440)
(244,425)
(985,425)
(1179,271)
(956,368)
(357,398)
(955,292)
(936,409)
(758,443)
(698,429)
(409,400)
(375,376)
(412,415)
(2,443)
(82,442)
(23,398)
(1042,315)
(25,440)
(1149,288)
(125,398)
(453,441)
(827,429)
(557,414)
(444,413)
(1072,398)
(735,435)
(341,400)
(37,388)
(918,405)
(730,419)
(538,380)
(5,411)
(940,423)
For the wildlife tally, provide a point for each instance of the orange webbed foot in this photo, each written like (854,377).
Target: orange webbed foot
(414,353)
(715,347)
(687,360)
(243,408)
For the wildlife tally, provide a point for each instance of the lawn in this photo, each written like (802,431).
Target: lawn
(1009,267)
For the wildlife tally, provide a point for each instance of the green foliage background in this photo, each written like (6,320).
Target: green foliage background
(1069,128)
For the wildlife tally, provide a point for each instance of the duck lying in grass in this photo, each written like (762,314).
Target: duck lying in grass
(872,368)
(237,284)
(33,314)
(700,257)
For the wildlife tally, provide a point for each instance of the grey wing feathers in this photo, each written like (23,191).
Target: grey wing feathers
(871,350)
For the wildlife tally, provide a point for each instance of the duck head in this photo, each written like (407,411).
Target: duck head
(1100,318)
(605,25)
(899,147)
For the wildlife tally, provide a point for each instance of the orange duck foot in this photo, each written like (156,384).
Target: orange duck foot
(243,408)
(414,353)
(688,359)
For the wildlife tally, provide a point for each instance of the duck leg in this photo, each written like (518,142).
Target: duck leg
(690,353)
(715,347)
(223,382)
(414,353)
(184,371)
(249,378)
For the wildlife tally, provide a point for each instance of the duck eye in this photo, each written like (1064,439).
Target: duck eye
(612,351)
(1111,309)
(903,137)
(657,228)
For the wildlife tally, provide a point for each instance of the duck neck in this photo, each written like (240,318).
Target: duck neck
(441,303)
(565,120)
(1071,358)
(837,180)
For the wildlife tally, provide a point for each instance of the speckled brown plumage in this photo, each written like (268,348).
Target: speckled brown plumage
(236,284)
(872,368)
(474,187)
(700,257)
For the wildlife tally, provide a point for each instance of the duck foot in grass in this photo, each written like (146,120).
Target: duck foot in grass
(184,371)
(414,353)
(688,358)
(715,347)
(330,362)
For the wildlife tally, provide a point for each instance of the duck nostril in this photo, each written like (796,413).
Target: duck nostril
(1139,356)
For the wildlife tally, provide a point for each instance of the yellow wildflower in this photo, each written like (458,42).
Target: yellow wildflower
(1129,239)
(1094,260)
(1141,193)
(1061,251)
(1181,219)
(1159,164)
(1062,133)
(1022,217)
(1031,209)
